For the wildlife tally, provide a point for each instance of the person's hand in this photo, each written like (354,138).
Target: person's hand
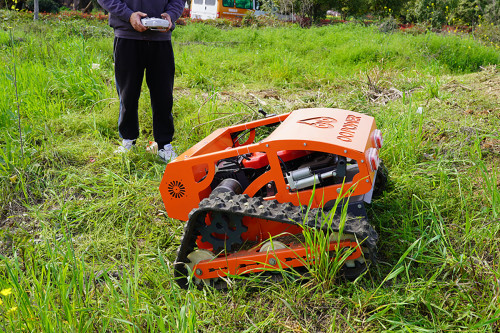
(165,16)
(135,20)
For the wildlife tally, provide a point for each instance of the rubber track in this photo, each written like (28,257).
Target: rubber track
(257,207)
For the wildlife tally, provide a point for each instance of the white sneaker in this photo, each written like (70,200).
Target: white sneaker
(126,146)
(167,154)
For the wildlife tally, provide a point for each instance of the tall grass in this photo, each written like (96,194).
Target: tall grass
(85,243)
(279,55)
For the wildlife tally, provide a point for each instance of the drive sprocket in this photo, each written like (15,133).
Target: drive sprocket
(224,231)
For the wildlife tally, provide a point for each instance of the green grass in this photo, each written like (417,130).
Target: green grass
(85,243)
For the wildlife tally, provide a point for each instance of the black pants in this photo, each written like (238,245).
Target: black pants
(132,58)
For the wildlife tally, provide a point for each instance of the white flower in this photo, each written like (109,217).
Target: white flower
(96,66)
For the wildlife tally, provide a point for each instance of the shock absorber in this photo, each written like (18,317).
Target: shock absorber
(305,177)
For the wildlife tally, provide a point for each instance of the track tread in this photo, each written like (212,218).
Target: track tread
(257,207)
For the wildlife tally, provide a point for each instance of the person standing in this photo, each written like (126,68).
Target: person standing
(138,50)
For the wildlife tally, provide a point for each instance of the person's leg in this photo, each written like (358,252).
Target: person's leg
(160,70)
(129,73)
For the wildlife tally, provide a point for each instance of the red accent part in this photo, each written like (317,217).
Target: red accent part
(373,159)
(245,262)
(259,160)
(378,140)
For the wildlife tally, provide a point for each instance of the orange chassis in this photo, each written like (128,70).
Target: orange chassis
(193,176)
(253,261)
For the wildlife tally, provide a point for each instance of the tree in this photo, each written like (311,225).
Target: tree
(491,11)
(469,12)
(434,12)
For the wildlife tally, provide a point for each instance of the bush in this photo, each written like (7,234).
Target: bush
(435,12)
(468,11)
(457,53)
(388,25)
(414,29)
(248,20)
(488,33)
(491,12)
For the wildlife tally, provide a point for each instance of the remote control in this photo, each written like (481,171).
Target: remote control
(154,23)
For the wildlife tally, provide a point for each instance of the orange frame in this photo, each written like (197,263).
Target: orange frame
(252,261)
(187,179)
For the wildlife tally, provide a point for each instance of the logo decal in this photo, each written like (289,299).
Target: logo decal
(176,189)
(320,122)
(349,128)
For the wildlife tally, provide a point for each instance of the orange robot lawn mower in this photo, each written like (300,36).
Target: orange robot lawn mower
(247,203)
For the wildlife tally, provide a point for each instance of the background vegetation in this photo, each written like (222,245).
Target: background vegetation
(435,12)
(85,243)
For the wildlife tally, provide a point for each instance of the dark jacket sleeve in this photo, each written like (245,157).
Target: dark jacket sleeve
(117,8)
(174,9)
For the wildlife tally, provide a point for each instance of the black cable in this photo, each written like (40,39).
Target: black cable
(283,162)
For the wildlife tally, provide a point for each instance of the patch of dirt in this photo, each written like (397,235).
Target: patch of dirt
(15,225)
(484,113)
(267,94)
(181,92)
(379,88)
(454,85)
(490,78)
(382,96)
(491,145)
(12,212)
(487,81)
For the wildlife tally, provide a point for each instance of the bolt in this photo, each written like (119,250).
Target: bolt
(345,151)
(362,161)
(199,271)
(272,261)
(338,190)
(305,144)
(267,145)
(367,180)
(359,206)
